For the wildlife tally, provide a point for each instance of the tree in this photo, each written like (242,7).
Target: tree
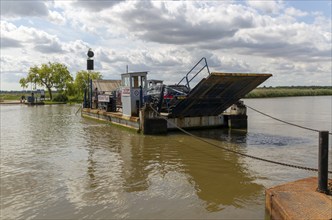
(24,83)
(50,75)
(82,78)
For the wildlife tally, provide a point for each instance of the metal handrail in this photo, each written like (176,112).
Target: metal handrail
(186,77)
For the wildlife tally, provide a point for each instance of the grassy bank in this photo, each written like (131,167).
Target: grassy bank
(13,96)
(16,96)
(265,92)
(268,92)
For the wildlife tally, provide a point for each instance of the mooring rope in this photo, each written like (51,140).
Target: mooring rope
(233,151)
(286,122)
(78,110)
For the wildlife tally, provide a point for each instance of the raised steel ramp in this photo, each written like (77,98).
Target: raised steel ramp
(216,93)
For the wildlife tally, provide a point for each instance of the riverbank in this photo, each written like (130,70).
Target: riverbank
(9,102)
(264,92)
(269,92)
(14,97)
(17,102)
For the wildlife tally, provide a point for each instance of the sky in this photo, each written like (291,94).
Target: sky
(290,39)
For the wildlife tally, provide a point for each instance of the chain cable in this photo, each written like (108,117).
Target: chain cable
(289,123)
(233,151)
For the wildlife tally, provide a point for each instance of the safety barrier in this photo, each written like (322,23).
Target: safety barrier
(186,76)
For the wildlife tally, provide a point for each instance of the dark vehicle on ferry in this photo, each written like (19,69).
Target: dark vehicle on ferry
(165,97)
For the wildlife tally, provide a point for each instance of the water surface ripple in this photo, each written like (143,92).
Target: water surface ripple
(56,165)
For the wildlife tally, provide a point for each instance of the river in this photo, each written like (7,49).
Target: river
(55,164)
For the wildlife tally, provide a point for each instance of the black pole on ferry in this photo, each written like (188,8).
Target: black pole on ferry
(89,68)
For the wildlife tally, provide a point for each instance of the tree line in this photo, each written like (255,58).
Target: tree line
(57,76)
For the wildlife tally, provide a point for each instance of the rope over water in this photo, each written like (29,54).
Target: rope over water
(236,152)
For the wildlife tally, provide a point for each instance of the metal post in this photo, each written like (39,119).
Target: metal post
(88,90)
(323,162)
(140,97)
(85,102)
(89,67)
(90,93)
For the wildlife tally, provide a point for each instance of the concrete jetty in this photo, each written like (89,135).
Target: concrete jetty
(298,200)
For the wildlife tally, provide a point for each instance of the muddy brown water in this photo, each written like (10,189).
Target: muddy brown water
(56,165)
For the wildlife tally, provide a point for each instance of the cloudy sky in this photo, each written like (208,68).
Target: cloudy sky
(290,39)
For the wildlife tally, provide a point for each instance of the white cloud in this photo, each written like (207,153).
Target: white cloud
(7,27)
(95,6)
(56,18)
(17,8)
(168,37)
(75,46)
(295,12)
(180,25)
(324,24)
(12,64)
(31,38)
(9,43)
(270,6)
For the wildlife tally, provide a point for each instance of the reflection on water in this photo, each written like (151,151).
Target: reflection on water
(243,138)
(58,165)
(218,178)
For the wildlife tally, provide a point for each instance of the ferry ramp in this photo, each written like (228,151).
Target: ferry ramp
(214,94)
